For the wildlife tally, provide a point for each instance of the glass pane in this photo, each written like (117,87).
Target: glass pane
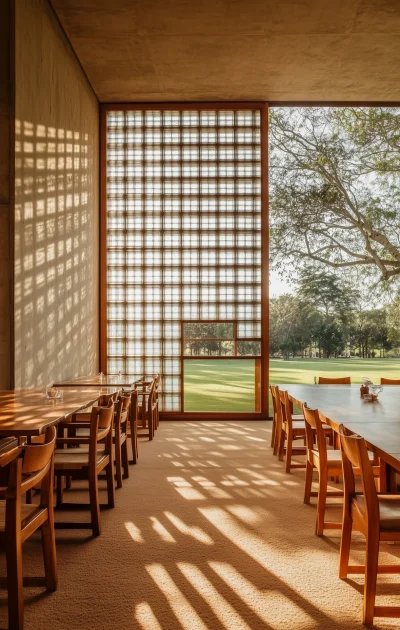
(219,385)
(210,348)
(214,330)
(250,348)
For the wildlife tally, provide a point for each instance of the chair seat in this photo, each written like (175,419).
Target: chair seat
(389,510)
(297,416)
(336,456)
(27,511)
(75,457)
(299,424)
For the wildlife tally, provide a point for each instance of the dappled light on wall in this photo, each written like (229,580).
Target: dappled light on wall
(55,254)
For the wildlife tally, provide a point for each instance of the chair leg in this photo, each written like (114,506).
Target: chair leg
(273,432)
(125,458)
(289,447)
(94,503)
(14,583)
(321,504)
(49,553)
(151,427)
(118,462)
(345,543)
(282,444)
(110,485)
(308,482)
(371,571)
(134,441)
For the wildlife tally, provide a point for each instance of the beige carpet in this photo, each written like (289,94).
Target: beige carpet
(208,532)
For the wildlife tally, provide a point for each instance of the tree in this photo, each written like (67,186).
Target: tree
(334,184)
(370,331)
(330,339)
(291,324)
(327,292)
(376,127)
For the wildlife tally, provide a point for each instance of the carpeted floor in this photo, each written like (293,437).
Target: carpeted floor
(208,532)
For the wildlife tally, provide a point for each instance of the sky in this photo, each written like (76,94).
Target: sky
(278,286)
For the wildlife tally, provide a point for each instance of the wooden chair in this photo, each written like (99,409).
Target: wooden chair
(345,380)
(147,410)
(87,464)
(328,463)
(85,415)
(120,438)
(133,419)
(157,381)
(274,416)
(290,430)
(30,465)
(277,418)
(376,515)
(390,381)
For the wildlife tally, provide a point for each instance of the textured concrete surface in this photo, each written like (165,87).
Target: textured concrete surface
(56,209)
(172,50)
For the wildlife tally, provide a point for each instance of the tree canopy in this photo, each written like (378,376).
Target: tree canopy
(334,188)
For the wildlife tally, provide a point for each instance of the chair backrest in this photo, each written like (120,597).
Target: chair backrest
(390,381)
(33,465)
(151,397)
(285,406)
(105,399)
(344,380)
(121,415)
(314,428)
(355,454)
(275,399)
(101,422)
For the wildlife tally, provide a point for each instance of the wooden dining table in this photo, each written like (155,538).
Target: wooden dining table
(27,412)
(127,381)
(377,422)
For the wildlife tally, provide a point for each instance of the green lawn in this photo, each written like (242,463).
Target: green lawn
(229,385)
(220,385)
(304,370)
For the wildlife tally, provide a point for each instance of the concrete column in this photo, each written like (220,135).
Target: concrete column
(7,121)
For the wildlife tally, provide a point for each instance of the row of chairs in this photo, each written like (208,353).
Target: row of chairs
(94,443)
(376,515)
(346,380)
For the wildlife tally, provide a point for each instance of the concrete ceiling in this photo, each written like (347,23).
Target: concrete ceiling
(206,50)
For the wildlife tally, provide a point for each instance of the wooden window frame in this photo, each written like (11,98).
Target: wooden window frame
(264,360)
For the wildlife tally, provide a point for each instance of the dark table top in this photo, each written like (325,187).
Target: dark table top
(27,411)
(377,422)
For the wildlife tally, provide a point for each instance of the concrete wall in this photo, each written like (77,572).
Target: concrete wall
(56,204)
(6,194)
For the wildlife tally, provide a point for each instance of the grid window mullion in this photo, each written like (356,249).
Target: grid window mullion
(183,225)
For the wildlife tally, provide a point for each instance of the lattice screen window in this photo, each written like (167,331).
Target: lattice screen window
(183,234)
